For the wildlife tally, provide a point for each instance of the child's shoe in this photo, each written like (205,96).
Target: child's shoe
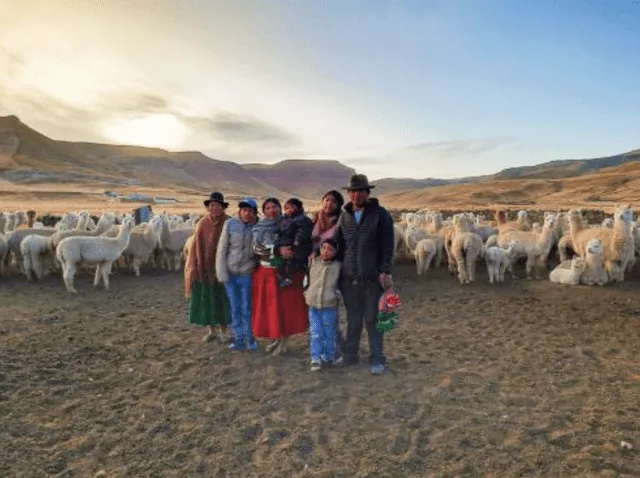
(378,369)
(238,346)
(315,365)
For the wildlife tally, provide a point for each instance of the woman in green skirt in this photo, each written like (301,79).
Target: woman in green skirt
(209,305)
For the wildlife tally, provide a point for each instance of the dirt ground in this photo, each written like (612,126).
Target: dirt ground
(521,379)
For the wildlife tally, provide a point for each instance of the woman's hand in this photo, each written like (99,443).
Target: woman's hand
(286,252)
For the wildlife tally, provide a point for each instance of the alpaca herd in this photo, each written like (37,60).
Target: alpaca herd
(580,253)
(76,241)
(602,253)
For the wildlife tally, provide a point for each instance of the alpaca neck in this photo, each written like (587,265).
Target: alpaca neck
(575,226)
(81,224)
(543,246)
(621,228)
(122,239)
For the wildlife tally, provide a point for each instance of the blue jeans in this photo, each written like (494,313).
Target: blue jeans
(323,332)
(239,294)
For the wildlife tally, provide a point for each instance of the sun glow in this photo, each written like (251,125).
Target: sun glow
(152,131)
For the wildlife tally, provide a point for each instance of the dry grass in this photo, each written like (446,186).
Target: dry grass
(597,191)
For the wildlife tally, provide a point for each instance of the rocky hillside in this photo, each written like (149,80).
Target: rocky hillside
(560,169)
(28,157)
(598,190)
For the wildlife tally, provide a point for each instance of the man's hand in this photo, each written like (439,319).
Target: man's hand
(386,281)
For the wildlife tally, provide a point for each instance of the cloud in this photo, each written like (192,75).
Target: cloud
(232,128)
(135,102)
(456,148)
(10,60)
(452,159)
(436,149)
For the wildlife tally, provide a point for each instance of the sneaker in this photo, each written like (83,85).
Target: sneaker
(237,346)
(272,346)
(208,337)
(252,345)
(378,369)
(338,362)
(315,365)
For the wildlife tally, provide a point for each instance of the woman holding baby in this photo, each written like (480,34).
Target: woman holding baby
(283,244)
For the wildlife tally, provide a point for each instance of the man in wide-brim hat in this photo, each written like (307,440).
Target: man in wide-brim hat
(366,246)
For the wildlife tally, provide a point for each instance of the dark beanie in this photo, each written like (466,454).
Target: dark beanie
(332,242)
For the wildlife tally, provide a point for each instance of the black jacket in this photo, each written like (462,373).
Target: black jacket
(297,228)
(366,248)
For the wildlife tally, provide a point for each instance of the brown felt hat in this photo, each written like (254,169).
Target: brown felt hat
(358,182)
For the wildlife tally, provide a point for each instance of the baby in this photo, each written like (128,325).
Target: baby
(294,232)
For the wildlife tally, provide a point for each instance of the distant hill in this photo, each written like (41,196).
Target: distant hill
(567,168)
(302,178)
(28,157)
(558,169)
(389,185)
(600,189)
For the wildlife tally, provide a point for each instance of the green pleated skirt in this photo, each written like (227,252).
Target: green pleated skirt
(209,305)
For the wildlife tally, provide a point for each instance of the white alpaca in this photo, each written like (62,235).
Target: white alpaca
(498,260)
(424,252)
(594,271)
(466,247)
(562,275)
(143,243)
(102,251)
(34,249)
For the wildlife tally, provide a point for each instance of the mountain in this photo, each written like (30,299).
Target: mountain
(558,169)
(31,160)
(599,189)
(302,178)
(567,168)
(28,157)
(389,185)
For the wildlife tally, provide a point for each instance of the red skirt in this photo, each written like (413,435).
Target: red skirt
(278,312)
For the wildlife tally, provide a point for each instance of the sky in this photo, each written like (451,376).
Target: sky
(431,88)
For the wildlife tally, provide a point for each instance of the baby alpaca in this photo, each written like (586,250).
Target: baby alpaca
(561,275)
(498,260)
(594,272)
(424,252)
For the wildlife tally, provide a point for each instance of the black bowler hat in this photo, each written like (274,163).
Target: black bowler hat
(216,197)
